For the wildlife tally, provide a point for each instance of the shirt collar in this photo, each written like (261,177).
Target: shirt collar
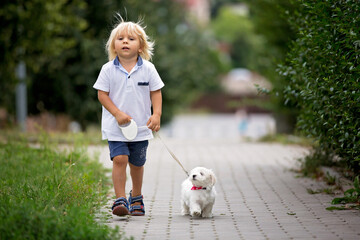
(139,61)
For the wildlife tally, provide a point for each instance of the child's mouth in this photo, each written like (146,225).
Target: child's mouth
(125,48)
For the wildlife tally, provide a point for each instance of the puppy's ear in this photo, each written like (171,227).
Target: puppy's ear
(212,177)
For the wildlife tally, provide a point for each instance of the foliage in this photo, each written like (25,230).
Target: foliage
(310,165)
(269,18)
(351,195)
(92,136)
(218,4)
(286,139)
(45,194)
(65,83)
(62,43)
(36,32)
(351,198)
(184,57)
(237,31)
(323,73)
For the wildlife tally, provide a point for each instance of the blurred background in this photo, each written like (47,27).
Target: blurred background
(217,58)
(269,70)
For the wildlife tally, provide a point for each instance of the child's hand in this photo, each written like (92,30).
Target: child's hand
(154,123)
(122,118)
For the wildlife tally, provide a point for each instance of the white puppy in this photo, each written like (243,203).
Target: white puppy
(198,193)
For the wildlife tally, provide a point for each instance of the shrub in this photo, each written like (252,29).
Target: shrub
(323,72)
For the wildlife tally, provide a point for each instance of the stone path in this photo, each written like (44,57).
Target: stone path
(258,196)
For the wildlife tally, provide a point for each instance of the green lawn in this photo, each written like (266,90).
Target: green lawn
(48,194)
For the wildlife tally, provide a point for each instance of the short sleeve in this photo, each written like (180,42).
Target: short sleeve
(155,81)
(103,82)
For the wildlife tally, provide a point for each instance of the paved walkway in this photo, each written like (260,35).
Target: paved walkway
(258,196)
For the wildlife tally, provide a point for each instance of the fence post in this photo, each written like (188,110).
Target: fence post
(21,96)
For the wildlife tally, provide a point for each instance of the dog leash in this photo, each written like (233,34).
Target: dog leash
(171,153)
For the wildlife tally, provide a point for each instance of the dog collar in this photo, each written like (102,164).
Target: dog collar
(198,188)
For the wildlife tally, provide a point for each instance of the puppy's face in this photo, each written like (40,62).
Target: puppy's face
(201,176)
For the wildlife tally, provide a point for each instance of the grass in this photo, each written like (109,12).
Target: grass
(47,194)
(287,139)
(91,136)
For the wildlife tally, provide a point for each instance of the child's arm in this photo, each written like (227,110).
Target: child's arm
(154,121)
(105,100)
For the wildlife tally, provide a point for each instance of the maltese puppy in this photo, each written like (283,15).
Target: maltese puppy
(198,193)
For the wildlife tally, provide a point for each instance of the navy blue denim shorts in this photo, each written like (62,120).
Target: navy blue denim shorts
(136,151)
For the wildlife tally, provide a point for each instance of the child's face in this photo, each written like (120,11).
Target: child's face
(127,46)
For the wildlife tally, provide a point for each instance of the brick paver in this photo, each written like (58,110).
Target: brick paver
(259,197)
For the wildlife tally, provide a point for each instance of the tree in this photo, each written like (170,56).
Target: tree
(184,56)
(238,32)
(65,84)
(36,32)
(63,46)
(270,19)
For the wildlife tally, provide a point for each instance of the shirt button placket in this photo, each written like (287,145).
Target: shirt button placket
(128,83)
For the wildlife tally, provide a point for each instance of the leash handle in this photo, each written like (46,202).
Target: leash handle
(172,154)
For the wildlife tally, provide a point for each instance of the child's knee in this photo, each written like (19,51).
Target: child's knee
(120,160)
(136,168)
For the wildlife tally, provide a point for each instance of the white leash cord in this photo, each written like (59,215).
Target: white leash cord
(172,154)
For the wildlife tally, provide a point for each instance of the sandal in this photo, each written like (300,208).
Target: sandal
(136,210)
(120,207)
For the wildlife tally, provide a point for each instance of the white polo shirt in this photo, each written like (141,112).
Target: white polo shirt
(130,92)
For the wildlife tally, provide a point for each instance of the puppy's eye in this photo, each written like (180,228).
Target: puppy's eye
(201,174)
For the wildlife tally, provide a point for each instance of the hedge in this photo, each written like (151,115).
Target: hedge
(323,72)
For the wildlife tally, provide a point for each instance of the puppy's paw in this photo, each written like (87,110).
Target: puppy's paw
(184,212)
(196,214)
(206,215)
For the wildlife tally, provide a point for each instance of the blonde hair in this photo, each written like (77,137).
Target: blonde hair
(146,46)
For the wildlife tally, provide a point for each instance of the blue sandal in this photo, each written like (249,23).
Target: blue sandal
(137,210)
(120,207)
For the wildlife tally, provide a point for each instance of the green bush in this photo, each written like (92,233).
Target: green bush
(49,195)
(324,75)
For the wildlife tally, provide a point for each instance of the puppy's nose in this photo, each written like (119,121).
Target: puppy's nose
(194,176)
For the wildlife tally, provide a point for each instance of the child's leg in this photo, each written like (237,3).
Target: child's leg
(137,179)
(137,160)
(137,174)
(119,175)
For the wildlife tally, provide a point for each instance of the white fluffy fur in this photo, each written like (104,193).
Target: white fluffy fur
(198,203)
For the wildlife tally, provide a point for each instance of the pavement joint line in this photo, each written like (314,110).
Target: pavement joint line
(281,199)
(191,228)
(168,230)
(309,209)
(335,213)
(244,201)
(149,213)
(230,211)
(261,197)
